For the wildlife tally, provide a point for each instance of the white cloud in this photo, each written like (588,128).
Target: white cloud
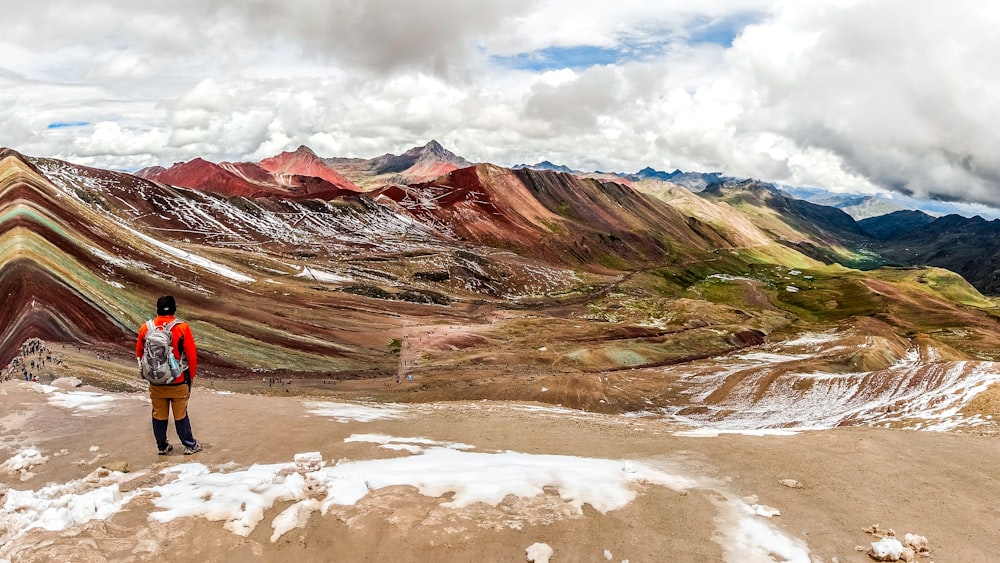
(861,95)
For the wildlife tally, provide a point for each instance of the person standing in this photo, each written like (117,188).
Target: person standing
(172,397)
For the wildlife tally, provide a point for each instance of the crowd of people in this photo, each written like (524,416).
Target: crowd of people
(33,356)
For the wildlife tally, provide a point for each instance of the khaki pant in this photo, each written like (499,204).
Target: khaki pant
(168,398)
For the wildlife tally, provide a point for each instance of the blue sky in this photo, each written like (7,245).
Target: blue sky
(64,124)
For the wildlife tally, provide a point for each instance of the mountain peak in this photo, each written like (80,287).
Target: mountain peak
(421,163)
(6,152)
(21,161)
(545,165)
(436,151)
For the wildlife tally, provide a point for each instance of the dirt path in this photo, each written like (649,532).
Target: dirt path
(941,486)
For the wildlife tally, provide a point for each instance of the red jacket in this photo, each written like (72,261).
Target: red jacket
(183,340)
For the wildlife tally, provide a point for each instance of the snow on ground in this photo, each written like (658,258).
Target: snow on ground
(544,409)
(773,392)
(241,497)
(811,339)
(538,552)
(60,506)
(489,477)
(22,463)
(354,412)
(194,258)
(79,401)
(322,276)
(412,445)
(747,536)
(909,394)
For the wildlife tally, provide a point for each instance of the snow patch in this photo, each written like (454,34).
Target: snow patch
(354,412)
(86,401)
(241,497)
(887,549)
(194,258)
(386,440)
(322,276)
(538,552)
(748,538)
(58,507)
(22,463)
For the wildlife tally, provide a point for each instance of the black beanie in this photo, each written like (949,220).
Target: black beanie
(166,305)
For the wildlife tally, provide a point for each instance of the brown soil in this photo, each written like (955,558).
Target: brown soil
(941,486)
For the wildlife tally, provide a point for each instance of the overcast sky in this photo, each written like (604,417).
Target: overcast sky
(850,95)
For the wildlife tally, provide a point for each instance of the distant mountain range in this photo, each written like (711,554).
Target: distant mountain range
(857,205)
(819,223)
(303,174)
(863,206)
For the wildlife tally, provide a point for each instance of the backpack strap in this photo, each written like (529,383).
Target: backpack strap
(150,325)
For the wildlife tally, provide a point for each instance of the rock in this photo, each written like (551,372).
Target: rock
(119,465)
(918,543)
(67,383)
(790,483)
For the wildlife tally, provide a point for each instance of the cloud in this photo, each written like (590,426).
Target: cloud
(575,105)
(898,90)
(862,95)
(383,35)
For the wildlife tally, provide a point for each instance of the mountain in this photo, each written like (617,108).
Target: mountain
(545,165)
(302,174)
(303,162)
(86,251)
(868,206)
(858,206)
(820,220)
(967,246)
(896,224)
(863,206)
(694,181)
(500,312)
(824,233)
(509,277)
(556,216)
(246,179)
(418,164)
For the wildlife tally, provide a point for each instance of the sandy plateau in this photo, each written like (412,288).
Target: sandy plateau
(314,477)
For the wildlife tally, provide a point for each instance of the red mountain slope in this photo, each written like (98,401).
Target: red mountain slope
(245,179)
(556,216)
(304,162)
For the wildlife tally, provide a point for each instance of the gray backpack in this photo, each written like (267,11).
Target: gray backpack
(158,365)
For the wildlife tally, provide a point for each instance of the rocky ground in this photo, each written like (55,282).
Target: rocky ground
(661,495)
